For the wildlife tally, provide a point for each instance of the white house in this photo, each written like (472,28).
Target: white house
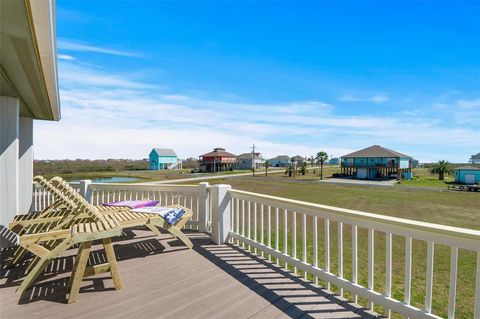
(28,92)
(298,160)
(245,161)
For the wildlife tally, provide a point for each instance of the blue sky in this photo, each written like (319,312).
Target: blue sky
(291,77)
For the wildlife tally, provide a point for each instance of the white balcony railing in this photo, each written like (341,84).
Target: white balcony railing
(287,232)
(194,197)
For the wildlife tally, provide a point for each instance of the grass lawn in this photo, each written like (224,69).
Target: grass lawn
(143,176)
(449,208)
(423,178)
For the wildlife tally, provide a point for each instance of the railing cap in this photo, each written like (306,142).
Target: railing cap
(389,220)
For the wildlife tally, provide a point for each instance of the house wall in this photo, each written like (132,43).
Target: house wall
(279,163)
(360,161)
(16,166)
(404,162)
(246,163)
(217,163)
(160,162)
(460,175)
(371,161)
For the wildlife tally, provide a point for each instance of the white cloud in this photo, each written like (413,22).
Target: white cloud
(468,104)
(65,57)
(377,98)
(70,45)
(75,75)
(120,116)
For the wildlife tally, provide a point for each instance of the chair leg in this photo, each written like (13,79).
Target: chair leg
(35,260)
(40,265)
(81,248)
(112,260)
(17,256)
(78,271)
(178,234)
(153,228)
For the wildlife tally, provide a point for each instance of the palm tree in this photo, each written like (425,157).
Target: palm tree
(267,165)
(303,168)
(290,170)
(442,168)
(321,158)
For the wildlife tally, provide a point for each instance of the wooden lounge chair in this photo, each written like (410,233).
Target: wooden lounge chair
(127,218)
(72,229)
(61,214)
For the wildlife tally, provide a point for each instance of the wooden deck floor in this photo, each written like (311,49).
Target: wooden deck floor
(163,279)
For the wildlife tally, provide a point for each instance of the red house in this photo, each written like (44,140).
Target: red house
(218,160)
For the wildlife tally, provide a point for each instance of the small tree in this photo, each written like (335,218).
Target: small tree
(290,170)
(441,169)
(303,168)
(321,158)
(267,165)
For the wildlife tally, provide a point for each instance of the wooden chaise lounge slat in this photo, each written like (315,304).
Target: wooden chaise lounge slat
(127,218)
(47,240)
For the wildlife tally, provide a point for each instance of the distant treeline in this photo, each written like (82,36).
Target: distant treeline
(83,166)
(52,167)
(430,165)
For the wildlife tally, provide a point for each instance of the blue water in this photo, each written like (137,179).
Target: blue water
(111,180)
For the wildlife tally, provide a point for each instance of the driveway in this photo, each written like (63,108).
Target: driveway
(346,181)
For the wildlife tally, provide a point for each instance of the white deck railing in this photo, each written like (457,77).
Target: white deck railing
(42,199)
(194,197)
(270,225)
(287,231)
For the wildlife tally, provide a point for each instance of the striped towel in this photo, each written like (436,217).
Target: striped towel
(170,214)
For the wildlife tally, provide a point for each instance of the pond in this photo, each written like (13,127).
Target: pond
(110,180)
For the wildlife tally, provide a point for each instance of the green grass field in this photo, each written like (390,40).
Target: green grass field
(442,207)
(142,176)
(423,178)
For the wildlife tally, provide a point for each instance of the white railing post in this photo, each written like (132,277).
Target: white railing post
(85,189)
(221,213)
(203,207)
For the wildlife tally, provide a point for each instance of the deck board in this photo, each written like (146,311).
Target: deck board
(163,279)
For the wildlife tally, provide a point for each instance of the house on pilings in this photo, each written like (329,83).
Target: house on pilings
(376,162)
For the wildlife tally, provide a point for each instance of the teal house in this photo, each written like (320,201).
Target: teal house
(376,162)
(467,175)
(161,158)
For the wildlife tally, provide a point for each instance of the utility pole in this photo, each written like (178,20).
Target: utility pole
(253,159)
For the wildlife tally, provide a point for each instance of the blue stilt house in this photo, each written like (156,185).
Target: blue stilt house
(376,162)
(161,158)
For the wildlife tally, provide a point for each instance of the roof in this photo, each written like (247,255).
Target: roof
(467,168)
(218,152)
(29,57)
(249,155)
(476,156)
(164,152)
(298,157)
(376,151)
(282,158)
